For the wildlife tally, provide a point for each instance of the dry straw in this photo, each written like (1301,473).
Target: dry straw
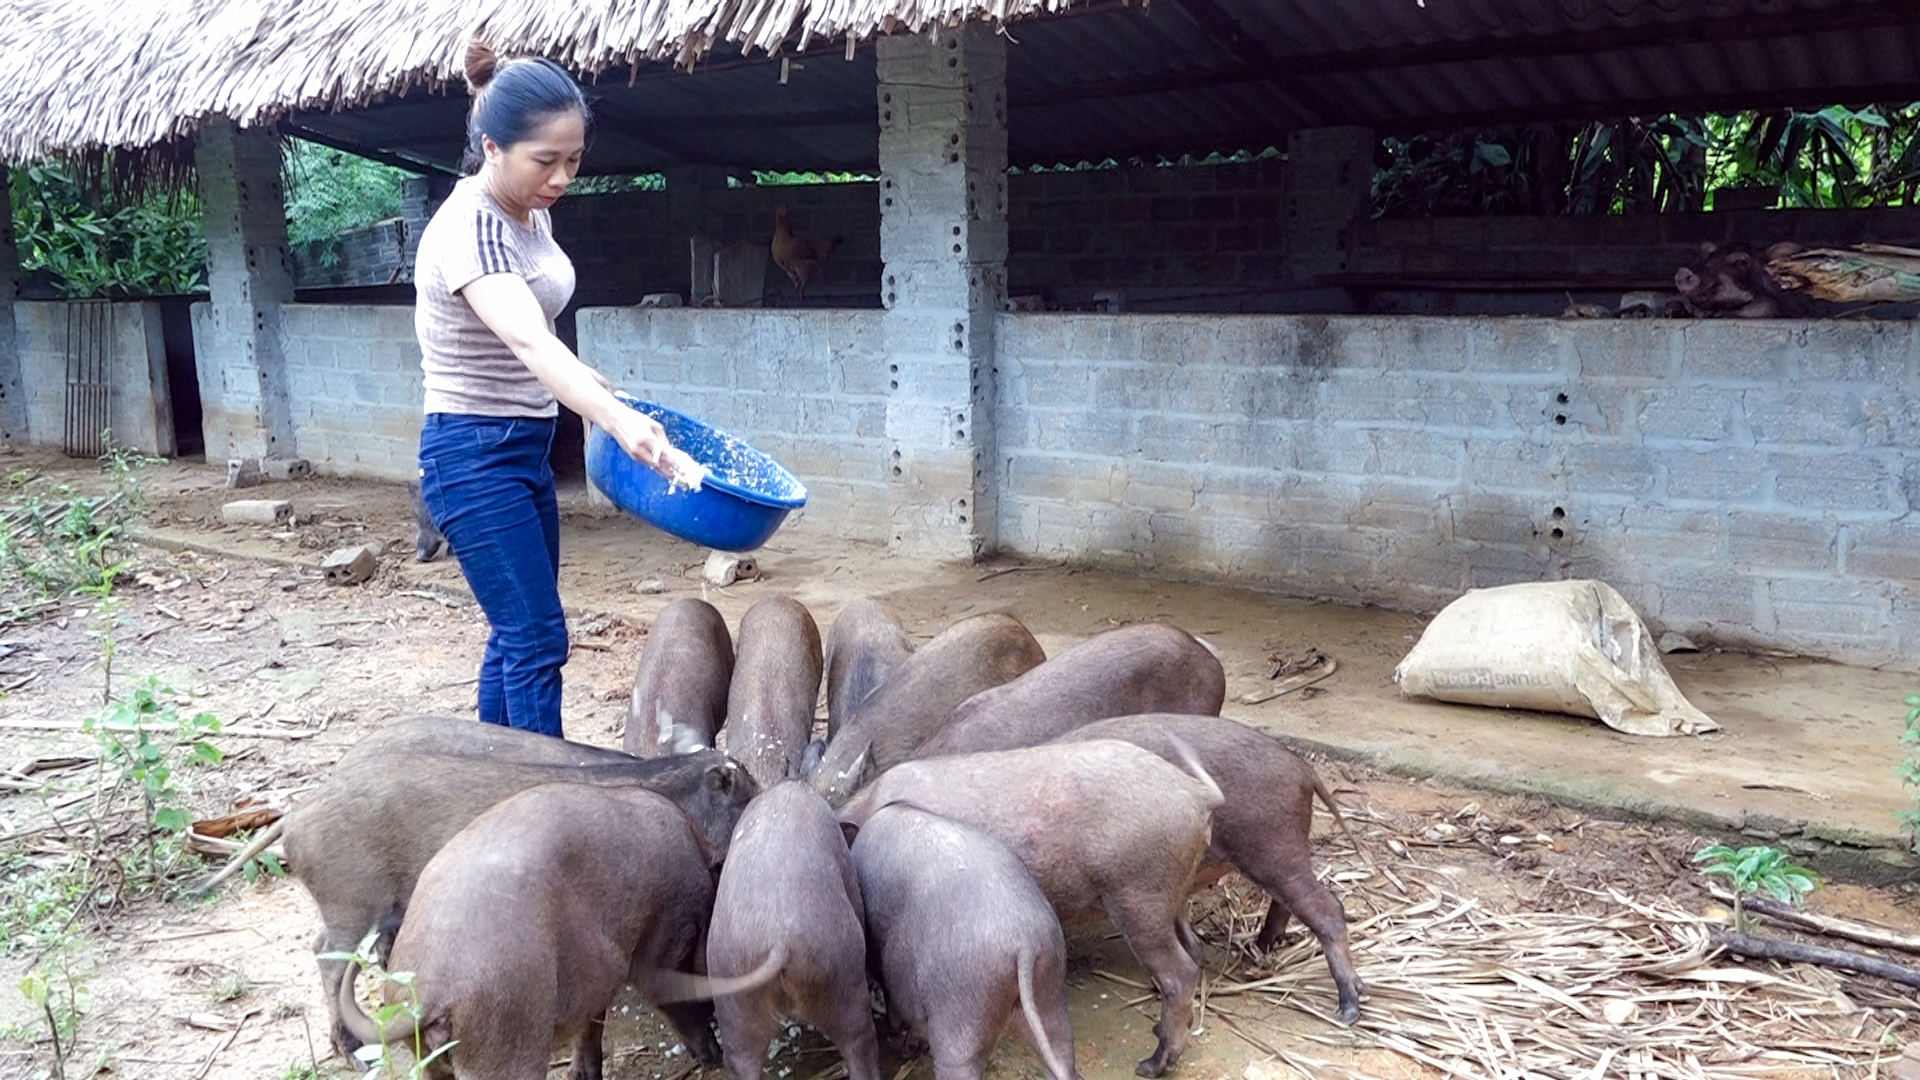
(1630,988)
(86,75)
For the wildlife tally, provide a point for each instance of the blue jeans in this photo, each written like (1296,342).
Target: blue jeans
(488,483)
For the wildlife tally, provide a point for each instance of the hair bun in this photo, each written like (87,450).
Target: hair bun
(481,62)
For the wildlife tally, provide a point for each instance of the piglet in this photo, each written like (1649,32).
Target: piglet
(1146,667)
(788,898)
(1103,826)
(962,937)
(971,655)
(680,692)
(865,645)
(1261,829)
(527,923)
(776,679)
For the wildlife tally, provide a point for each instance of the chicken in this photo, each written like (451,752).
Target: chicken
(797,255)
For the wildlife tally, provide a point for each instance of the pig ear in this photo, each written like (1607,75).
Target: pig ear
(863,769)
(1708,247)
(811,757)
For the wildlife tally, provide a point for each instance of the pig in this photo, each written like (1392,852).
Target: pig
(788,897)
(450,737)
(1261,830)
(776,679)
(960,936)
(970,656)
(680,692)
(1732,280)
(865,645)
(1147,667)
(428,543)
(360,842)
(530,919)
(1103,826)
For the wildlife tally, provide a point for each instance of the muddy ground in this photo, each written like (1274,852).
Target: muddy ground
(239,619)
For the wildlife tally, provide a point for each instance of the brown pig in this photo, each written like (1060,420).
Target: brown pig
(864,646)
(1146,667)
(970,656)
(680,691)
(1261,830)
(962,937)
(788,897)
(360,842)
(527,922)
(451,737)
(1103,826)
(776,679)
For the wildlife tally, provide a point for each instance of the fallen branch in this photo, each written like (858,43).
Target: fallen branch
(76,725)
(1832,927)
(1845,959)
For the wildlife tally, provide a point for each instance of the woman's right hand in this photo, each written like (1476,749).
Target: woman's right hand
(645,441)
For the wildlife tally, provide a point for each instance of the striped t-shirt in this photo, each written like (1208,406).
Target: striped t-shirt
(468,368)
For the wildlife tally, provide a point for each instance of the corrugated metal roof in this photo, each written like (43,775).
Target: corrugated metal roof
(1194,76)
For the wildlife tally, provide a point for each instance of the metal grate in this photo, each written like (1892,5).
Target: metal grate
(89,377)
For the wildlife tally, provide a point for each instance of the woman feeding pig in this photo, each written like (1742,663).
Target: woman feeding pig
(489,282)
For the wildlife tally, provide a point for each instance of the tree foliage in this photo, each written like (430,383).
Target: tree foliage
(85,242)
(1830,158)
(331,191)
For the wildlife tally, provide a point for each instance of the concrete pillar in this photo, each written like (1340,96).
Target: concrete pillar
(1329,191)
(243,371)
(13,390)
(943,240)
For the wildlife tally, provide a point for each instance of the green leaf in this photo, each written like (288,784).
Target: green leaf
(207,754)
(172,819)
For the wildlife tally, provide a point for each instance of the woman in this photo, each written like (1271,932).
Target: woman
(489,282)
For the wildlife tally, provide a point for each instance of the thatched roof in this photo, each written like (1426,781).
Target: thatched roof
(83,75)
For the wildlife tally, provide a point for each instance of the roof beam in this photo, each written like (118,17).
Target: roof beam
(1225,31)
(399,160)
(1863,14)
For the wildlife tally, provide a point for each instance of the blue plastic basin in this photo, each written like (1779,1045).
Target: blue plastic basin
(739,506)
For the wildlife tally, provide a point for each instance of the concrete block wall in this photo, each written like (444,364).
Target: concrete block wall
(1157,232)
(355,387)
(379,254)
(809,388)
(140,408)
(1752,483)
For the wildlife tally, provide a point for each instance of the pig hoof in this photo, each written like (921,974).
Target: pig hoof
(1348,1014)
(1153,1066)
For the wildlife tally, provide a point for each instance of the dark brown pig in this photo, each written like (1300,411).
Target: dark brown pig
(776,679)
(864,646)
(527,922)
(1261,830)
(788,897)
(1144,668)
(1103,826)
(1732,280)
(360,842)
(970,656)
(472,739)
(680,691)
(962,938)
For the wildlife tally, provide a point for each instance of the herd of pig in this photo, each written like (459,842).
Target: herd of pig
(970,797)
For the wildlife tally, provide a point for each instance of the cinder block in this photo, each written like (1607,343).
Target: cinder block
(1886,551)
(1840,482)
(256,511)
(1798,415)
(1725,476)
(350,566)
(1596,468)
(1759,542)
(1736,349)
(1695,413)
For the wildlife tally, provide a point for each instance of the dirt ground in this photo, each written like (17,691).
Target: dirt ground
(240,618)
